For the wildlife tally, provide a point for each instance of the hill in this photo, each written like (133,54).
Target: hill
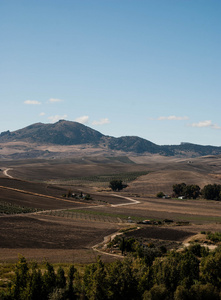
(60,133)
(67,133)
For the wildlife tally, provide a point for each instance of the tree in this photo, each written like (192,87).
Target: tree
(61,279)
(116,185)
(95,281)
(122,246)
(188,191)
(212,192)
(70,289)
(21,279)
(192,191)
(181,293)
(206,292)
(49,279)
(160,195)
(179,189)
(122,281)
(176,269)
(211,269)
(157,292)
(34,290)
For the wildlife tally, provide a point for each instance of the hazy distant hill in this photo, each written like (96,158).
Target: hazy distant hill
(73,133)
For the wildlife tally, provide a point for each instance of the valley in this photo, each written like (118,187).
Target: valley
(66,229)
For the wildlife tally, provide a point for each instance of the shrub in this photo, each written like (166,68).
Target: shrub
(214,237)
(160,195)
(88,197)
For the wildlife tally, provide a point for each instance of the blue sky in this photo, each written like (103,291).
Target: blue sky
(145,68)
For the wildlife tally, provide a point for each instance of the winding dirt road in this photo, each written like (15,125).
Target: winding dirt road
(132,201)
(5,172)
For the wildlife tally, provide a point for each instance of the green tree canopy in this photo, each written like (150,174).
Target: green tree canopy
(116,185)
(188,191)
(179,189)
(212,192)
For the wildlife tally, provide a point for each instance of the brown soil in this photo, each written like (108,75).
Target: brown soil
(38,231)
(42,234)
(32,200)
(83,256)
(70,240)
(161,233)
(41,188)
(44,196)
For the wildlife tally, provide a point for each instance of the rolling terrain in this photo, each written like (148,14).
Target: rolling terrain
(66,229)
(46,170)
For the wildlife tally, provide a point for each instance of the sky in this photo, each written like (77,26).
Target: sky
(147,68)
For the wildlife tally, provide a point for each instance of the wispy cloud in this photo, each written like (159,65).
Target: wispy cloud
(173,118)
(56,118)
(101,122)
(206,123)
(54,100)
(32,102)
(82,120)
(42,114)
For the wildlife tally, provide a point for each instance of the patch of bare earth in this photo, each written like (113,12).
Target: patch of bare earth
(162,233)
(57,239)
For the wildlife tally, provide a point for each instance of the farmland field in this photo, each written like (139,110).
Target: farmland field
(64,229)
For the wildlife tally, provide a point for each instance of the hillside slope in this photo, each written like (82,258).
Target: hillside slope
(66,133)
(60,133)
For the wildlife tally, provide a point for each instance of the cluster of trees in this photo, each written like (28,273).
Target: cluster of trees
(70,193)
(117,185)
(193,191)
(132,246)
(212,192)
(30,283)
(188,191)
(194,273)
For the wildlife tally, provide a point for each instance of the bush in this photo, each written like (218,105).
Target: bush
(160,195)
(181,293)
(195,249)
(205,292)
(158,292)
(88,197)
(214,237)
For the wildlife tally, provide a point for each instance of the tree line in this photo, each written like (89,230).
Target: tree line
(193,191)
(194,273)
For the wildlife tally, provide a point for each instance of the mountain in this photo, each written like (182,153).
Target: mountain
(61,133)
(72,133)
(133,144)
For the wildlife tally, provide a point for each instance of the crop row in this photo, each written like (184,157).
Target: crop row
(85,216)
(9,208)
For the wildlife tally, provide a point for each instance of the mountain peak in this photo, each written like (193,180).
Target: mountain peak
(66,133)
(60,133)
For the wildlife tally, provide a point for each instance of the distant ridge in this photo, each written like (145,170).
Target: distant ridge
(73,133)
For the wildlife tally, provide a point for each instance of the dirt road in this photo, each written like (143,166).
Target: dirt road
(5,172)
